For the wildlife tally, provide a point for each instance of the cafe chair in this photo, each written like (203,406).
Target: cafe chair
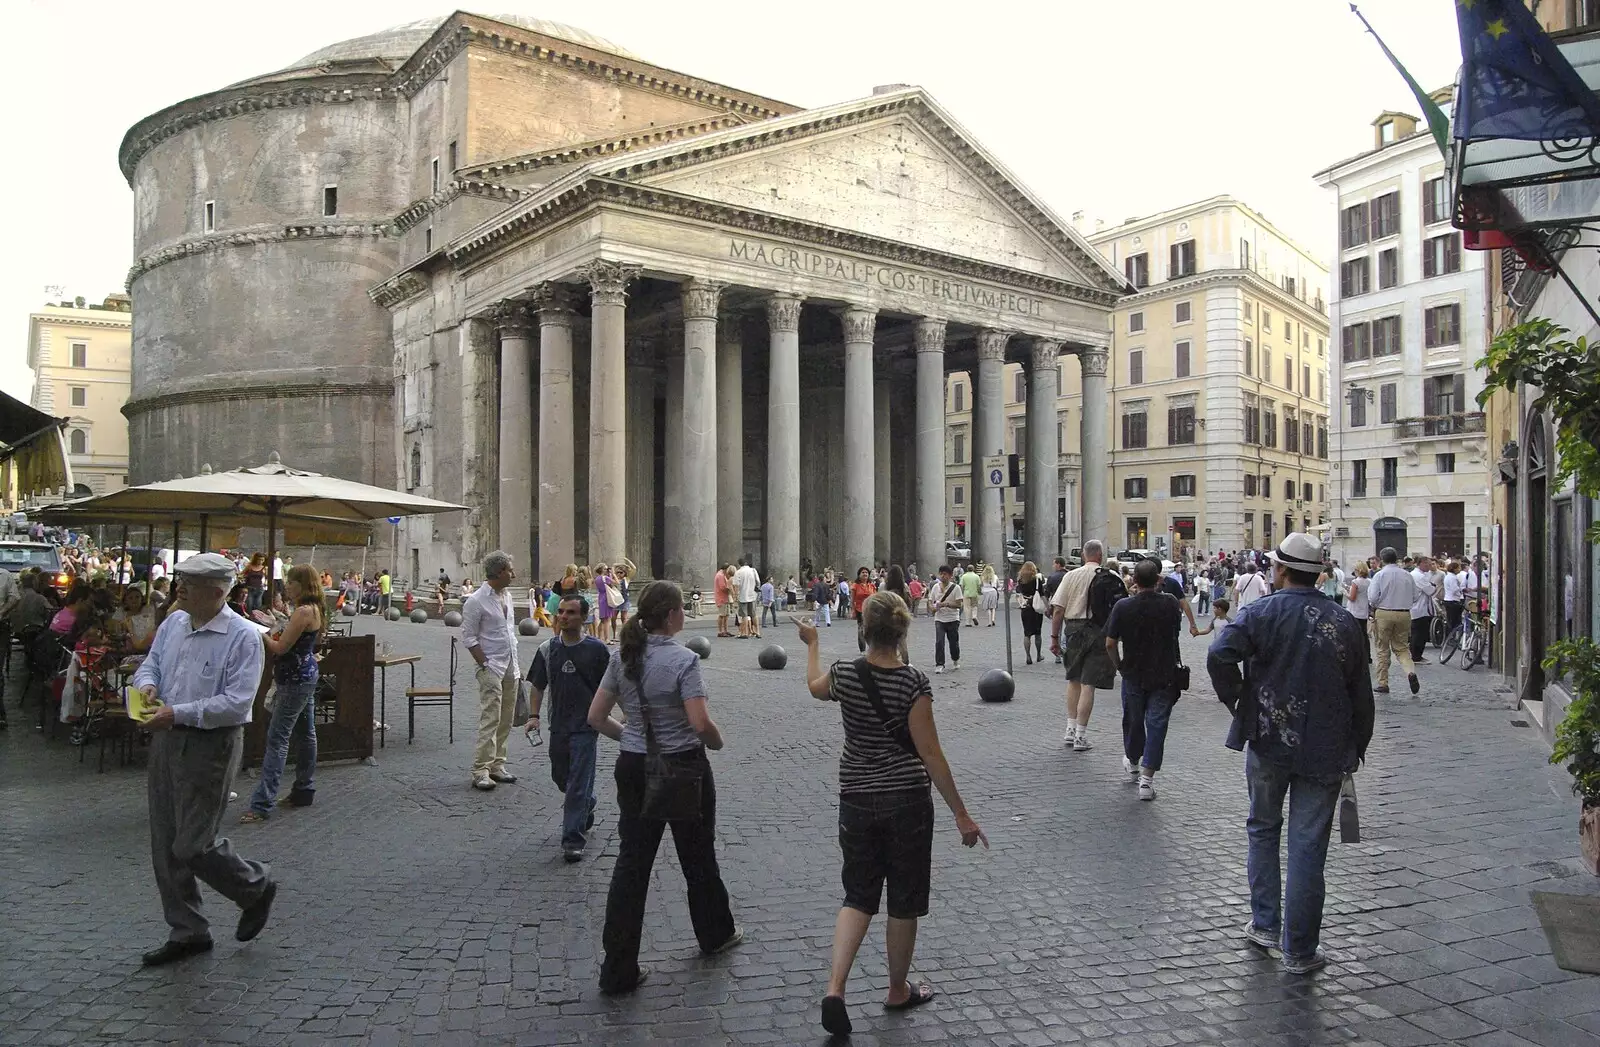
(445,696)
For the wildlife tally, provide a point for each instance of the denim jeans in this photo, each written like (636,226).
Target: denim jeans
(769,610)
(1312,801)
(578,803)
(293,723)
(1145,715)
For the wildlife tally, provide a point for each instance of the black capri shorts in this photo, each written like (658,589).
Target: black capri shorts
(887,837)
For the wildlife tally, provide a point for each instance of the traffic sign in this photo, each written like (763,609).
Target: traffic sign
(995,469)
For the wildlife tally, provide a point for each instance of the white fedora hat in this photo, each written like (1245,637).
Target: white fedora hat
(1299,552)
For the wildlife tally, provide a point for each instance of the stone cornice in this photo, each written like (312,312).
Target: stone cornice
(88,318)
(414,215)
(399,289)
(260,234)
(144,404)
(1277,296)
(592,191)
(586,152)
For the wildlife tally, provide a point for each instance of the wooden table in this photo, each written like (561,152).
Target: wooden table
(383,665)
(349,660)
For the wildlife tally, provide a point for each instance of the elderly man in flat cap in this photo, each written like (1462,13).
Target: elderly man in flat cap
(205,667)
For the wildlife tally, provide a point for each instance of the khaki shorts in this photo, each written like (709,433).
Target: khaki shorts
(1083,651)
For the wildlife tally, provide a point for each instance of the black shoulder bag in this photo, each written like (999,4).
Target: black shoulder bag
(899,729)
(671,789)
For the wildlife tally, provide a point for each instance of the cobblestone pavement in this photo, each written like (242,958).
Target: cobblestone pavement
(415,910)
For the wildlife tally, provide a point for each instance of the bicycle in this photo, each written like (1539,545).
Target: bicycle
(1470,638)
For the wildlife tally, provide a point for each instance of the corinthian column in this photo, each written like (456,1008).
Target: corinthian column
(641,364)
(730,439)
(930,445)
(699,508)
(859,471)
(557,533)
(672,500)
(516,432)
(782,543)
(608,481)
(989,428)
(1092,442)
(1040,454)
(881,525)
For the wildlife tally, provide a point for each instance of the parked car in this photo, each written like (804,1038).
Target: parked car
(17,557)
(957,549)
(1014,553)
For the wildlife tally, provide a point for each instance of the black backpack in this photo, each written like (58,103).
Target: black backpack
(1105,589)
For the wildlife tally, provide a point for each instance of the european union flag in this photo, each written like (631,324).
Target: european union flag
(1515,83)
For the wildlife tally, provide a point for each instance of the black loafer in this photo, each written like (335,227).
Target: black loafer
(644,973)
(254,916)
(172,952)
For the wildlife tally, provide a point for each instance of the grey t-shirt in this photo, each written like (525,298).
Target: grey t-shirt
(671,674)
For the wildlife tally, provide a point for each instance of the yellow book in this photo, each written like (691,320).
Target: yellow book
(140,708)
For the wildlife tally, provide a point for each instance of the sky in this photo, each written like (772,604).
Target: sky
(1113,107)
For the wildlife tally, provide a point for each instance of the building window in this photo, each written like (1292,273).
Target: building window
(1435,201)
(1135,428)
(1357,342)
(1291,431)
(1181,359)
(79,354)
(416,465)
(1180,424)
(454,160)
(1061,437)
(1358,478)
(1322,492)
(1183,486)
(1249,357)
(1249,310)
(1322,438)
(1353,225)
(1388,268)
(958,394)
(1182,313)
(1137,269)
(1269,424)
(1019,387)
(1288,331)
(1250,485)
(1182,258)
(1136,367)
(1019,439)
(435,168)
(1386,216)
(958,447)
(330,200)
(1358,409)
(1445,463)
(209,219)
(1307,435)
(960,495)
(1244,253)
(1441,326)
(1305,380)
(427,240)
(1288,492)
(1391,477)
(78,395)
(1444,394)
(1386,336)
(1388,407)
(1322,387)
(1135,487)
(1322,347)
(1266,323)
(1266,364)
(77,442)
(1288,373)
(1355,277)
(1289,284)
(1441,255)
(1136,322)
(1305,492)
(1252,423)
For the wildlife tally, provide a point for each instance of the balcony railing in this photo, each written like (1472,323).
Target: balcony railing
(1440,425)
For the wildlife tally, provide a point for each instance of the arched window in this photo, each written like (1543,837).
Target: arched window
(78,442)
(416,465)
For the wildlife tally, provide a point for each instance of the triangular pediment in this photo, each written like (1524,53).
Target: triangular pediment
(893,167)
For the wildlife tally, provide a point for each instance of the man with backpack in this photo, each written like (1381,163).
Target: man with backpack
(1078,614)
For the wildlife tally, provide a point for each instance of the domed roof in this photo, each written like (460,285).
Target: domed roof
(399,42)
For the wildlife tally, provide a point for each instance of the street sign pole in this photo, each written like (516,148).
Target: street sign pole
(997,473)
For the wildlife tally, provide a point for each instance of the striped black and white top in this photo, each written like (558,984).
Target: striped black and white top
(872,761)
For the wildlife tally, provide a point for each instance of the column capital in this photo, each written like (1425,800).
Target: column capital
(700,299)
(783,311)
(553,302)
(929,334)
(1045,353)
(860,323)
(1094,359)
(510,318)
(608,281)
(992,344)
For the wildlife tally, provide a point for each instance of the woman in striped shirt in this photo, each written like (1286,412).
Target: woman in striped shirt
(891,753)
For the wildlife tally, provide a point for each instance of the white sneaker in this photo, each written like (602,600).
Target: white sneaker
(1069,735)
(1081,743)
(1147,788)
(1130,770)
(954,666)
(938,670)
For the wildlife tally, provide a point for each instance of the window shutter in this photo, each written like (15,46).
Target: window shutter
(1430,398)
(1459,393)
(1452,253)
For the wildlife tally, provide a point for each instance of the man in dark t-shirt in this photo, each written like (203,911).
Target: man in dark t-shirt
(1146,624)
(570,667)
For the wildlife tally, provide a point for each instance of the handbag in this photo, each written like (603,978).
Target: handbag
(524,708)
(899,729)
(1349,817)
(1180,677)
(614,597)
(1039,605)
(671,789)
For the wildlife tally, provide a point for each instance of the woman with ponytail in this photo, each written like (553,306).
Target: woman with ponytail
(657,682)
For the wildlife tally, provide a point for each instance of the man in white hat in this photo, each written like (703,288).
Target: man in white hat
(205,668)
(1306,715)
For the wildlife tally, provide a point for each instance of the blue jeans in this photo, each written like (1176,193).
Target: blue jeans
(1312,801)
(578,800)
(1145,715)
(293,723)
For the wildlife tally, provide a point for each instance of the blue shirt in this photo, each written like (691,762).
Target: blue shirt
(1306,695)
(210,675)
(671,676)
(766,593)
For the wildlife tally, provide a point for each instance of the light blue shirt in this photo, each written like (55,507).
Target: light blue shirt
(210,675)
(670,676)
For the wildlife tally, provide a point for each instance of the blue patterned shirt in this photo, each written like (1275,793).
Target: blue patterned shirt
(1305,692)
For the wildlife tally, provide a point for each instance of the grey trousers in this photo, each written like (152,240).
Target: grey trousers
(190,775)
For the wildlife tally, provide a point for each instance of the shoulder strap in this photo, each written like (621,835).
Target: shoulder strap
(902,733)
(650,746)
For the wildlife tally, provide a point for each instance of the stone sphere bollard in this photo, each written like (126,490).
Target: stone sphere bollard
(419,616)
(452,618)
(528,627)
(996,685)
(699,645)
(349,610)
(393,614)
(773,657)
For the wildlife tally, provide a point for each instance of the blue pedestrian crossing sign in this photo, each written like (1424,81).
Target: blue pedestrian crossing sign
(994,469)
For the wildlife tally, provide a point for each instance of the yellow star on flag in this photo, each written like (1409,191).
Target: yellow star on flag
(1468,4)
(1496,28)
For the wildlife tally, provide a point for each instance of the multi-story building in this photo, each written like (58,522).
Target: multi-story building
(1408,310)
(1226,338)
(81,356)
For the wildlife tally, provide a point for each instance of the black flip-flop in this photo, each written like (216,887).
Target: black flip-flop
(835,1019)
(920,994)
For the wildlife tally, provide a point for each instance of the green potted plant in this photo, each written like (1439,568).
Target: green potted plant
(1578,737)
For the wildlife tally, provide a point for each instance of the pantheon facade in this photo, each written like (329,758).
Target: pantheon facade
(615,310)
